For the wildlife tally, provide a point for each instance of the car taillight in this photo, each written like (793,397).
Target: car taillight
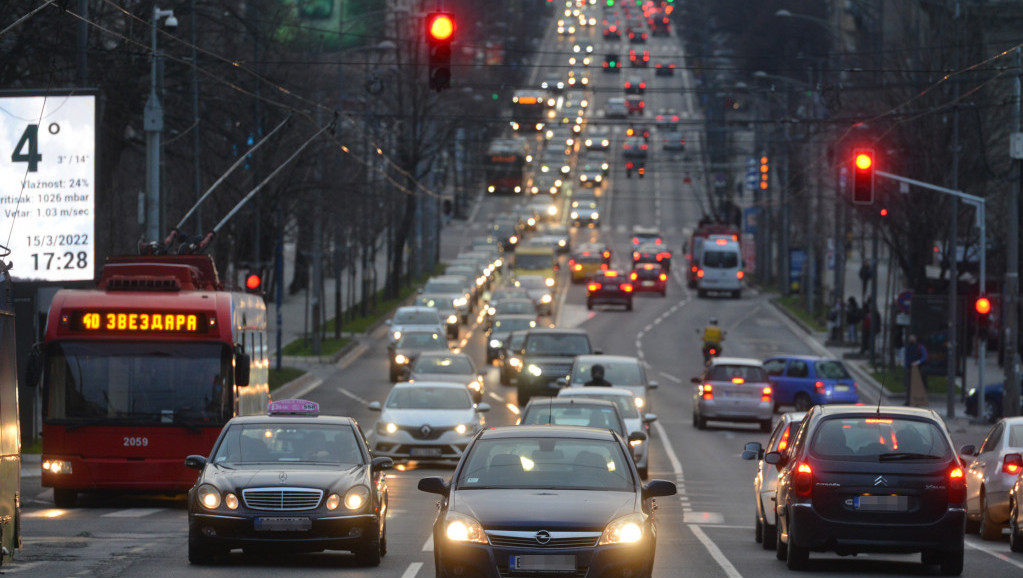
(693,268)
(819,386)
(577,267)
(593,286)
(765,395)
(707,391)
(784,443)
(663,277)
(635,240)
(738,274)
(661,256)
(956,485)
(802,481)
(642,85)
(603,266)
(699,273)
(1012,464)
(627,287)
(712,350)
(607,254)
(633,276)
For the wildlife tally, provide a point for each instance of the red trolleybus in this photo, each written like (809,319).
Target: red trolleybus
(143,371)
(505,165)
(10,429)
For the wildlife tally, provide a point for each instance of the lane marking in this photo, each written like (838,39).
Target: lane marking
(344,391)
(676,466)
(495,396)
(133,513)
(302,391)
(995,554)
(715,552)
(671,377)
(428,546)
(412,570)
(703,518)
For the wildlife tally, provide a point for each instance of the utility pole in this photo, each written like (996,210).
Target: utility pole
(1011,399)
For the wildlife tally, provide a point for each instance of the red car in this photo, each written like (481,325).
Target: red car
(609,288)
(640,59)
(649,253)
(634,104)
(664,69)
(649,277)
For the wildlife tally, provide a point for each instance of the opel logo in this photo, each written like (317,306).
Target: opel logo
(425,430)
(283,477)
(543,537)
(880,481)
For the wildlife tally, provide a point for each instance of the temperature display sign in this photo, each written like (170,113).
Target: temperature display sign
(160,322)
(47,185)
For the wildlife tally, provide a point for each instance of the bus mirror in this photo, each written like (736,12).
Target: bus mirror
(34,368)
(241,367)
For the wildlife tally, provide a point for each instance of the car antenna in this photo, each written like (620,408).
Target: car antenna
(880,394)
(550,411)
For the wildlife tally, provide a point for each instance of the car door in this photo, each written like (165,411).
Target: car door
(775,368)
(977,472)
(765,490)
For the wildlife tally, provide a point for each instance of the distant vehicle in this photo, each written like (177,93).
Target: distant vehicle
(409,346)
(667,118)
(635,147)
(590,175)
(413,318)
(991,472)
(529,110)
(637,35)
(612,63)
(585,214)
(587,261)
(505,165)
(993,394)
(639,58)
(598,138)
(664,69)
(649,277)
(426,421)
(635,85)
(532,260)
(642,235)
(616,108)
(673,140)
(660,25)
(652,253)
(609,287)
(765,483)
(553,84)
(446,366)
(634,104)
(804,381)
(612,32)
(693,248)
(547,356)
(638,129)
(733,389)
(720,268)
(445,306)
(502,327)
(328,493)
(541,291)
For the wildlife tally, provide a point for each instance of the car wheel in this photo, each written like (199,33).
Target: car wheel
(989,530)
(369,554)
(393,375)
(952,563)
(1015,536)
(383,537)
(797,556)
(765,426)
(589,306)
(758,531)
(628,306)
(770,537)
(65,498)
(199,554)
(523,398)
(701,293)
(701,422)
(737,294)
(803,402)
(930,557)
(664,293)
(781,551)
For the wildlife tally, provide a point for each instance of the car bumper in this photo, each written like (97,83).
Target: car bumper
(809,530)
(485,560)
(402,446)
(653,287)
(327,532)
(735,409)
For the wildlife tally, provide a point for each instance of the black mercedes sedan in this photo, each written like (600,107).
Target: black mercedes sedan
(290,481)
(545,499)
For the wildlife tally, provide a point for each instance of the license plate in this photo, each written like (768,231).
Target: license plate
(424,452)
(648,283)
(542,562)
(841,387)
(283,524)
(882,503)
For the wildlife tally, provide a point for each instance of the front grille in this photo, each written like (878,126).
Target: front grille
(557,539)
(416,431)
(282,499)
(506,573)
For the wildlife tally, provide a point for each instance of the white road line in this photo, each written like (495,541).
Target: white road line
(996,554)
(344,391)
(676,466)
(412,570)
(428,546)
(715,552)
(351,357)
(132,513)
(495,396)
(299,393)
(671,377)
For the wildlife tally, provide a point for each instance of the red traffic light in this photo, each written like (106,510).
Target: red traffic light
(253,281)
(983,305)
(863,177)
(864,161)
(440,27)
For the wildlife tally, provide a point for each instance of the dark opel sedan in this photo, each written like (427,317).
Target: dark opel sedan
(871,479)
(291,481)
(593,517)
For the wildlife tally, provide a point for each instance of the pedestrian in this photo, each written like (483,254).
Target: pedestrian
(835,321)
(865,274)
(914,355)
(852,318)
(871,319)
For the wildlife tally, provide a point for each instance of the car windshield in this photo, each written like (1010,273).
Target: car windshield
(720,259)
(415,317)
(547,463)
(274,442)
(879,439)
(425,397)
(558,344)
(587,416)
(455,364)
(533,282)
(515,307)
(422,340)
(434,286)
(832,370)
(747,373)
(626,403)
(436,302)
(618,373)
(535,261)
(506,325)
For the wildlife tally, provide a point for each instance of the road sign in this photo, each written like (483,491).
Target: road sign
(903,301)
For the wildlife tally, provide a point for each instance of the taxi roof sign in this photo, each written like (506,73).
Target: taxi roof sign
(294,407)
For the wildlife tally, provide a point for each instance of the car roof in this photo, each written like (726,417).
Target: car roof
(293,419)
(590,390)
(598,358)
(866,410)
(442,354)
(558,330)
(563,401)
(804,357)
(736,361)
(546,431)
(415,308)
(438,384)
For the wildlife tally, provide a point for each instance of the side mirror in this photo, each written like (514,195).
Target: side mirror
(598,352)
(34,367)
(775,458)
(482,407)
(561,381)
(387,322)
(195,462)
(649,417)
(637,436)
(969,450)
(381,463)
(434,485)
(652,385)
(241,367)
(374,406)
(658,488)
(752,451)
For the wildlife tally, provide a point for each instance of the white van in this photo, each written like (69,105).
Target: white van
(720,266)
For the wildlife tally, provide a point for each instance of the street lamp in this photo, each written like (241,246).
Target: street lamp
(152,120)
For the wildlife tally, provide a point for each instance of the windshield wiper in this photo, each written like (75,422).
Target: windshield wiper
(896,456)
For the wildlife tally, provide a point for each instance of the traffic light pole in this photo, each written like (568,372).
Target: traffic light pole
(979,203)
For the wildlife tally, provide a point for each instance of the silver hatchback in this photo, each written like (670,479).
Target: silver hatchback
(733,389)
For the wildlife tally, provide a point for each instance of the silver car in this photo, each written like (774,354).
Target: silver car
(453,367)
(622,371)
(733,389)
(765,483)
(413,318)
(626,401)
(990,475)
(426,420)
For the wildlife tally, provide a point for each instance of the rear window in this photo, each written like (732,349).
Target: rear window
(599,417)
(879,439)
(721,259)
(1016,436)
(747,373)
(553,344)
(832,370)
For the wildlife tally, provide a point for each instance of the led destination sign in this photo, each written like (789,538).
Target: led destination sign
(161,322)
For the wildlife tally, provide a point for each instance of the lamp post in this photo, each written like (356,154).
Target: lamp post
(152,120)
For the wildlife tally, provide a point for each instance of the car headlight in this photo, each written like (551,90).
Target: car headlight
(624,530)
(545,299)
(972,392)
(534,370)
(356,497)
(396,335)
(574,215)
(401,359)
(461,428)
(495,344)
(57,466)
(491,311)
(386,427)
(231,501)
(460,302)
(594,215)
(513,239)
(562,242)
(549,281)
(452,319)
(640,402)
(552,210)
(598,178)
(209,497)
(515,362)
(333,501)
(475,385)
(462,528)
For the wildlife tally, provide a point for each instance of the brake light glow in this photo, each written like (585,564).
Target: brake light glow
(611,274)
(663,277)
(607,254)
(877,420)
(766,394)
(633,276)
(784,443)
(635,240)
(738,274)
(1012,464)
(738,380)
(956,485)
(594,287)
(699,273)
(627,287)
(707,391)
(577,267)
(819,387)
(802,482)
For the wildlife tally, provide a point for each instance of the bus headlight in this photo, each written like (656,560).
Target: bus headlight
(209,497)
(57,466)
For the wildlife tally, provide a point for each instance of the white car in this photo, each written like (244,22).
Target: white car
(733,389)
(453,367)
(634,421)
(426,420)
(991,472)
(413,318)
(765,483)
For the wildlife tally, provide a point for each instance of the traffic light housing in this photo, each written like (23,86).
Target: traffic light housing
(440,30)
(765,170)
(863,176)
(983,308)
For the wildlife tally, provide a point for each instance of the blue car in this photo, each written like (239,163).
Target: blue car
(804,381)
(993,393)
